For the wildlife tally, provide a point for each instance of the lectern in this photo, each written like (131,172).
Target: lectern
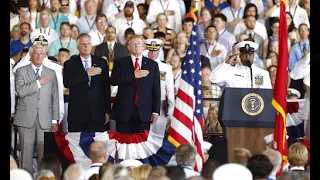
(246,115)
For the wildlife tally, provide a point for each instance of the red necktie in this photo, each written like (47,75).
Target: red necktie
(136,66)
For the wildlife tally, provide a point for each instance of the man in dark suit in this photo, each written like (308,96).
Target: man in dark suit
(110,49)
(137,103)
(87,77)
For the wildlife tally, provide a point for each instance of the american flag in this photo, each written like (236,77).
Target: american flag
(187,122)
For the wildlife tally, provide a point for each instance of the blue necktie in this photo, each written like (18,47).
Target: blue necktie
(86,66)
(37,73)
(304,49)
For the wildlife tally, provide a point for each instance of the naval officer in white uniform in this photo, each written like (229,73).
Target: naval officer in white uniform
(235,72)
(166,83)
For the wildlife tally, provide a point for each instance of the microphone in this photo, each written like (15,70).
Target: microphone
(248,63)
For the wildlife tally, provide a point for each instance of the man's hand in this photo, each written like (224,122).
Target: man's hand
(55,127)
(154,118)
(44,79)
(215,53)
(169,12)
(141,73)
(107,118)
(306,55)
(233,57)
(94,71)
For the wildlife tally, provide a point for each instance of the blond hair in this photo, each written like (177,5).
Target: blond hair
(298,154)
(142,172)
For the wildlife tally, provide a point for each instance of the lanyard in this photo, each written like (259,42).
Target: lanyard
(129,24)
(235,11)
(67,45)
(294,11)
(36,21)
(118,7)
(209,47)
(89,23)
(55,21)
(99,37)
(163,7)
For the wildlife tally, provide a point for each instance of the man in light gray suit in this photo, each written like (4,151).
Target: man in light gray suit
(37,109)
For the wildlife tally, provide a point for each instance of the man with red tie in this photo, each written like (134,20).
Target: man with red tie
(137,103)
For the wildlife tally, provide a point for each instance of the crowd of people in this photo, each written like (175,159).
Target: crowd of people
(98,65)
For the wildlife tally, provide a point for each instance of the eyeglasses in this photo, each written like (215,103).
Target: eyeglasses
(64,4)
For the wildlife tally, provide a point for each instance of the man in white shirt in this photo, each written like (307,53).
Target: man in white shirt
(171,8)
(23,16)
(259,28)
(116,9)
(98,34)
(86,22)
(45,29)
(128,21)
(234,14)
(244,74)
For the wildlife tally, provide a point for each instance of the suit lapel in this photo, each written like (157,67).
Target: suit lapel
(31,73)
(144,63)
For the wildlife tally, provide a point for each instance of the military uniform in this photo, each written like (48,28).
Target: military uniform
(167,89)
(239,75)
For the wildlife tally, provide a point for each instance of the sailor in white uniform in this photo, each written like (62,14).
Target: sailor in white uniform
(167,86)
(235,72)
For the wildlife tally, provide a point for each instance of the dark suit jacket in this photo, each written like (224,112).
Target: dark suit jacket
(119,50)
(148,90)
(84,100)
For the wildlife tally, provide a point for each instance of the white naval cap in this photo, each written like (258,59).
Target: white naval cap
(131,162)
(41,38)
(294,91)
(153,44)
(247,46)
(206,145)
(18,174)
(268,138)
(232,171)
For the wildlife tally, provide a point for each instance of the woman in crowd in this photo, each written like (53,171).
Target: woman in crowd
(180,45)
(205,21)
(162,22)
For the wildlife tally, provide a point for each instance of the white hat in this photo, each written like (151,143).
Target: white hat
(206,145)
(18,174)
(232,171)
(268,138)
(247,46)
(294,91)
(131,162)
(41,38)
(153,44)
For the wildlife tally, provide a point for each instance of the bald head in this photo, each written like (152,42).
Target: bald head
(98,152)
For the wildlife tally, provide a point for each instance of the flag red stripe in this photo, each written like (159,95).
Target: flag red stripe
(177,136)
(182,118)
(185,97)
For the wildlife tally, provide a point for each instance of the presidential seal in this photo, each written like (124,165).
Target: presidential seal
(252,104)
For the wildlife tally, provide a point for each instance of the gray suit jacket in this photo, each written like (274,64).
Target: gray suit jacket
(31,98)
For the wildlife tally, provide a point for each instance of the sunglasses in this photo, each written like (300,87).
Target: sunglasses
(64,4)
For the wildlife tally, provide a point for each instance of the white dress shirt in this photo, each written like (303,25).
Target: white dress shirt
(174,21)
(215,61)
(258,28)
(121,24)
(134,60)
(111,11)
(299,15)
(96,37)
(94,169)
